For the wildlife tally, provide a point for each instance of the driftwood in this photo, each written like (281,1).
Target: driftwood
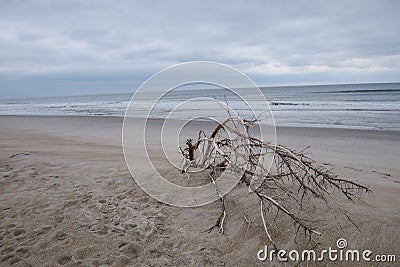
(276,174)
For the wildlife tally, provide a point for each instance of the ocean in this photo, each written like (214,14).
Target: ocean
(358,106)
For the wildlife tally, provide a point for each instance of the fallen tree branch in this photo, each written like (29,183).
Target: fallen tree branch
(276,174)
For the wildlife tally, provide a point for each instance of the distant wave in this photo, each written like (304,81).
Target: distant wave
(288,104)
(360,91)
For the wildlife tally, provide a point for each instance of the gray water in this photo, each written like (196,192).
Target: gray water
(361,106)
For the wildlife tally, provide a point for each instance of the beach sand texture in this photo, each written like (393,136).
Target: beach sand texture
(68,199)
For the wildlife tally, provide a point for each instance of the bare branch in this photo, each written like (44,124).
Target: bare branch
(279,176)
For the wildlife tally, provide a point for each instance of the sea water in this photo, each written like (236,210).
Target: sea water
(361,106)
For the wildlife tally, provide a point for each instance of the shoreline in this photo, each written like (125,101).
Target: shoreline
(338,129)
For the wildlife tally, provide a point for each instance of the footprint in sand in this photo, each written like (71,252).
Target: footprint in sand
(84,252)
(10,226)
(7,250)
(99,229)
(85,198)
(131,250)
(22,252)
(7,257)
(59,218)
(121,197)
(63,260)
(116,220)
(79,187)
(123,260)
(40,231)
(14,260)
(60,236)
(71,203)
(19,232)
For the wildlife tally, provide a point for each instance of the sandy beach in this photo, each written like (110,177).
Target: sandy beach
(68,199)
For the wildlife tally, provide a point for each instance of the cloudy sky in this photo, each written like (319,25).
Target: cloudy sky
(82,47)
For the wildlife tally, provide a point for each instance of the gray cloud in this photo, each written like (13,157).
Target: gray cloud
(67,47)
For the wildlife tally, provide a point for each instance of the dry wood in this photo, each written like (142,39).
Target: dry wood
(276,174)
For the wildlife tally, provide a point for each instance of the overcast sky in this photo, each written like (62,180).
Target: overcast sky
(82,47)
